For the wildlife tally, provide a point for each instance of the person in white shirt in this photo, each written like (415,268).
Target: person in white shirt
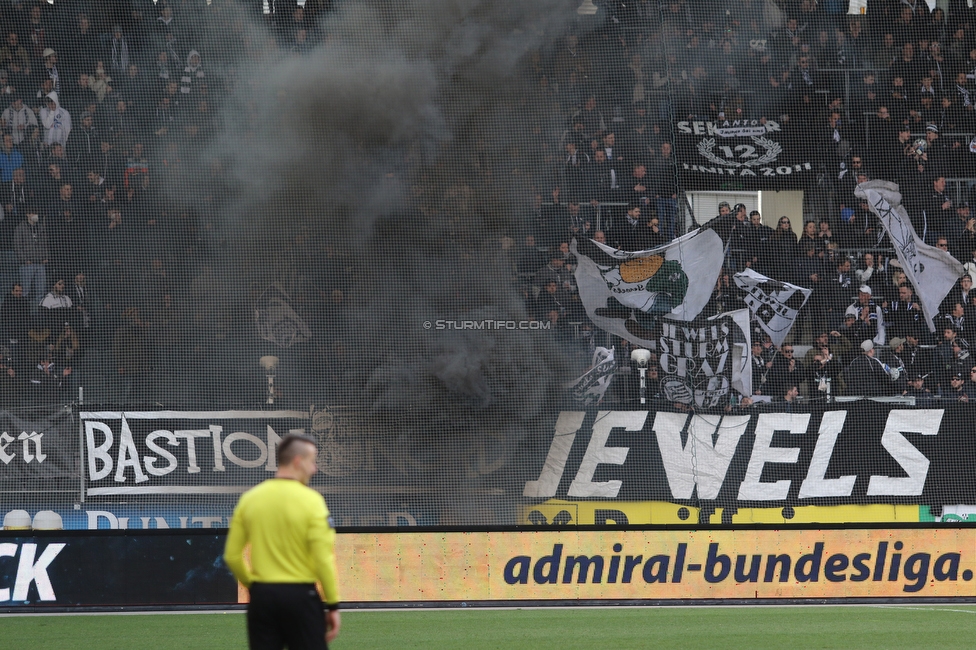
(19,121)
(56,120)
(56,307)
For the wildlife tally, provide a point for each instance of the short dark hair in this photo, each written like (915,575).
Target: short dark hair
(290,447)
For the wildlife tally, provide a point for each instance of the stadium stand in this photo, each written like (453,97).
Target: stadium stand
(114,115)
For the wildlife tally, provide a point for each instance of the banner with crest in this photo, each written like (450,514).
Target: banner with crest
(743,154)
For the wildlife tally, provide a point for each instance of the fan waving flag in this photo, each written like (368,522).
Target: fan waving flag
(590,387)
(931,271)
(626,293)
(702,363)
(775,304)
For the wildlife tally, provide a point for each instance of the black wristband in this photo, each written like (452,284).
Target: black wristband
(331,608)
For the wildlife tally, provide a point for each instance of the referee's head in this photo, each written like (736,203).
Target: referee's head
(297,456)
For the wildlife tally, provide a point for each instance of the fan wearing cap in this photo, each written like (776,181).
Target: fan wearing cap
(916,387)
(929,152)
(891,355)
(869,324)
(51,67)
(868,376)
(960,388)
(193,75)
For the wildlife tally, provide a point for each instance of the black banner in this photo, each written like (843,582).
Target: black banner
(107,569)
(742,155)
(40,453)
(853,453)
(766,456)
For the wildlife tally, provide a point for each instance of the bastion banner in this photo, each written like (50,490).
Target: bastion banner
(658,565)
(743,154)
(175,452)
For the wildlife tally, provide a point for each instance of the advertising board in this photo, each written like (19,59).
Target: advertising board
(183,568)
(111,569)
(659,565)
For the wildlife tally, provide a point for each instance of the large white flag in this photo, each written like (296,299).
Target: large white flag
(775,304)
(627,293)
(931,271)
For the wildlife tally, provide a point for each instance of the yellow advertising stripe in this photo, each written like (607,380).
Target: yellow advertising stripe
(846,514)
(580,513)
(641,513)
(573,564)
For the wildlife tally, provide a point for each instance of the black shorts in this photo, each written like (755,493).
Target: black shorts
(285,615)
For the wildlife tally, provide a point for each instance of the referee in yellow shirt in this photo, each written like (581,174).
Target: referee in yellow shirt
(292,545)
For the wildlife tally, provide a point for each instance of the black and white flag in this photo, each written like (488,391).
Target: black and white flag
(933,272)
(592,385)
(277,321)
(775,304)
(626,293)
(702,363)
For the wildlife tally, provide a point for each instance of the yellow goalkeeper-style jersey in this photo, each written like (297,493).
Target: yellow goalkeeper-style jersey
(291,536)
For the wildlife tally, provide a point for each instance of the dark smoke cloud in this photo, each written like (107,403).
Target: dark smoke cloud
(415,89)
(394,137)
(394,143)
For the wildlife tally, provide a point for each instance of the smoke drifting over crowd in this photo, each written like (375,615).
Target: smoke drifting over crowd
(387,164)
(388,143)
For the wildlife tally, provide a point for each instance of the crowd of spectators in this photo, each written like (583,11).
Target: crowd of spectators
(101,104)
(887,94)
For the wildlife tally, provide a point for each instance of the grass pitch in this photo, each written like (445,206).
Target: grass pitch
(729,628)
